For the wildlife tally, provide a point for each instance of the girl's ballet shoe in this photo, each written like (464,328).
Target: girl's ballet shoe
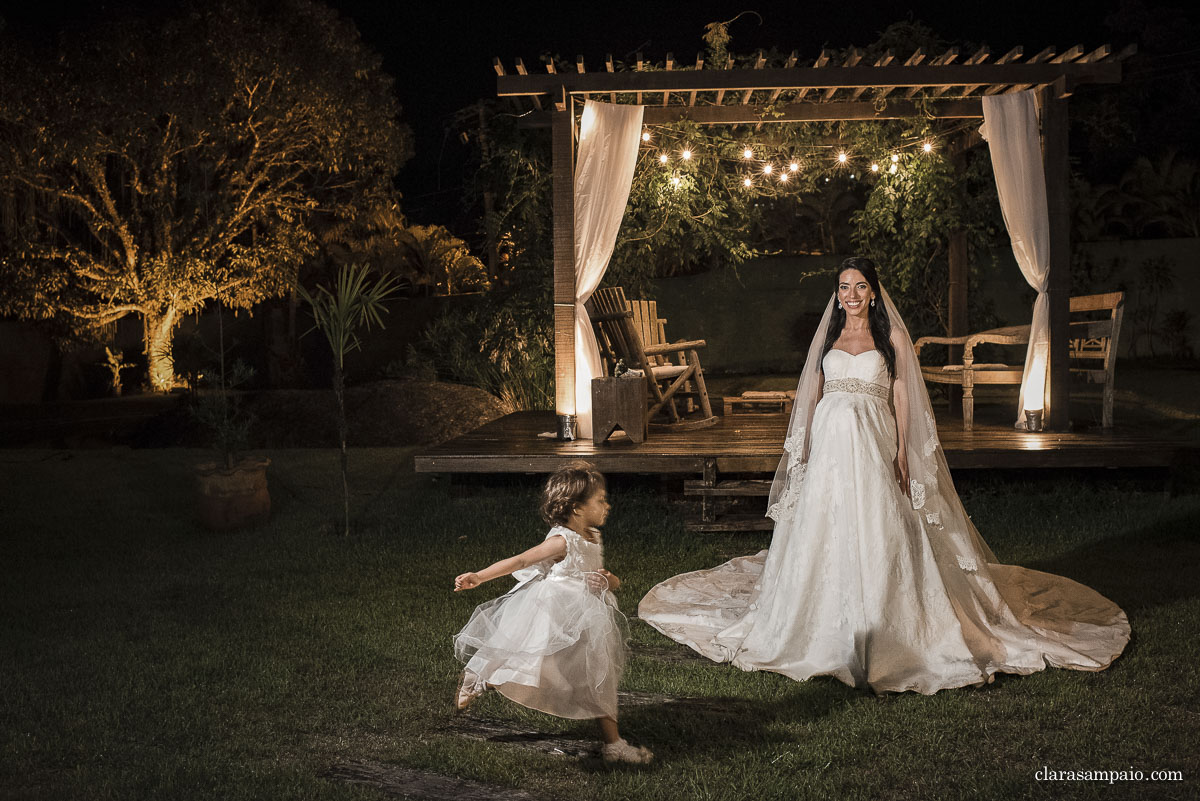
(621,751)
(469,688)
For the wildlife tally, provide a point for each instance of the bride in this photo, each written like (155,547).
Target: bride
(875,574)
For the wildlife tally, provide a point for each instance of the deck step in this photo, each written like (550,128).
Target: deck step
(725,489)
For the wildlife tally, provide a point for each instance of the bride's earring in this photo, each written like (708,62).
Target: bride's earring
(872,303)
(839,304)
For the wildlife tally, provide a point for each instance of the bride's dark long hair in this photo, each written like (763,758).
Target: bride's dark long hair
(877,316)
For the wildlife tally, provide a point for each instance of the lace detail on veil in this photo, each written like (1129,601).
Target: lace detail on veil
(794,446)
(932,442)
(917,491)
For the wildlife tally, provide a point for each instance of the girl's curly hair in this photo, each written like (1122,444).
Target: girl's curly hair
(567,488)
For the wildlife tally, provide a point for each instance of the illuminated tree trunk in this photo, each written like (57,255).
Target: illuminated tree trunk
(156,334)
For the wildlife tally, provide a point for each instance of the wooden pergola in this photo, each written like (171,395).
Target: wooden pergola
(832,87)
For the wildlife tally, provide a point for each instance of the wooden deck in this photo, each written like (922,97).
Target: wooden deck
(754,443)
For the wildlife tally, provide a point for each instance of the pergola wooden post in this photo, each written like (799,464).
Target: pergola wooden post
(563,188)
(813,91)
(1058,203)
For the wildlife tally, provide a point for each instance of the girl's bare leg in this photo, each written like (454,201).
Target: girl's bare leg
(608,730)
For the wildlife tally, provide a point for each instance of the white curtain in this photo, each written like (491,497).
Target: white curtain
(609,137)
(1011,131)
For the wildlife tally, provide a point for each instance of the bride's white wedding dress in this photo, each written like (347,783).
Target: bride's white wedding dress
(859,585)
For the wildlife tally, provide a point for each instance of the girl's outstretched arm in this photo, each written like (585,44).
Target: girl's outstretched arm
(552,548)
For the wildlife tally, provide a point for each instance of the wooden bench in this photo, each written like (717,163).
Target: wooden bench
(1093,353)
(752,402)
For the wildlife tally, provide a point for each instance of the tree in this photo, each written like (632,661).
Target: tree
(356,302)
(156,165)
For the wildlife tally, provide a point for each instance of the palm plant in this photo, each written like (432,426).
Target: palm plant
(355,303)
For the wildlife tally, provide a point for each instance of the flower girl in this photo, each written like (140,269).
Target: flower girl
(556,641)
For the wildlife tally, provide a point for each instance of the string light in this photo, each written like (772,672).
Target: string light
(786,167)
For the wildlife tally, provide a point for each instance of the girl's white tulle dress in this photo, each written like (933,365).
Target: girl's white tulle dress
(551,643)
(859,585)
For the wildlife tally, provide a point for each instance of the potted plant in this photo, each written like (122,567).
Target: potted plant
(231,491)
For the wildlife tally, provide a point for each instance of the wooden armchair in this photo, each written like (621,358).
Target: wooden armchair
(667,383)
(1093,353)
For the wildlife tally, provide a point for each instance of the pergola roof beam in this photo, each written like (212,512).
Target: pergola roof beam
(943,59)
(969,108)
(670,67)
(759,63)
(699,66)
(852,59)
(821,61)
(1010,56)
(721,92)
(639,69)
(805,79)
(981,55)
(916,58)
(884,60)
(1042,56)
(537,101)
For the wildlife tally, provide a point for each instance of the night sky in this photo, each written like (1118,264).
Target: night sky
(440,54)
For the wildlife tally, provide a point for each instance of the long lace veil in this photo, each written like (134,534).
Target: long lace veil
(931,489)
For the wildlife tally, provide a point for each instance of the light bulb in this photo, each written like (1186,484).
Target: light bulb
(662,157)
(747,182)
(874,168)
(842,158)
(687,154)
(747,153)
(675,181)
(783,176)
(927,147)
(645,136)
(892,169)
(767,169)
(895,158)
(794,167)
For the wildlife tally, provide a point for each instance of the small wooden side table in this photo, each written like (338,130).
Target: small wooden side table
(619,402)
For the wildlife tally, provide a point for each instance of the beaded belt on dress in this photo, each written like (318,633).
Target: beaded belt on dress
(856,385)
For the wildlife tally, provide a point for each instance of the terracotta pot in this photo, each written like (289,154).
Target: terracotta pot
(234,498)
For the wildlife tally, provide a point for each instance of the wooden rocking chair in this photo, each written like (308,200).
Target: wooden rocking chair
(1090,341)
(619,339)
(653,330)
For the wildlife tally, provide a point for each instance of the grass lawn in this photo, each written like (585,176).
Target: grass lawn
(144,657)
